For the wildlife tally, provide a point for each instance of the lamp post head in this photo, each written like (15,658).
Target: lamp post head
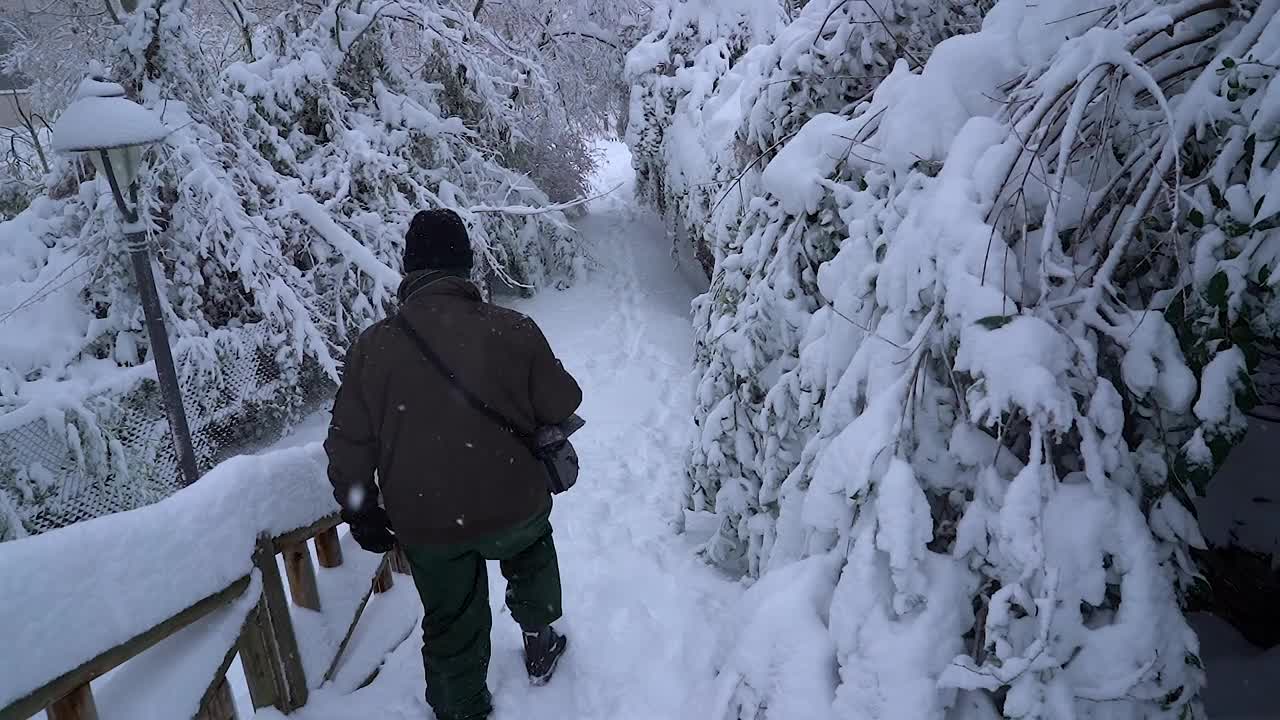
(101,120)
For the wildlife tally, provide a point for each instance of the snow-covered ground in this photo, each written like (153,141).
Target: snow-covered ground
(1242,678)
(644,615)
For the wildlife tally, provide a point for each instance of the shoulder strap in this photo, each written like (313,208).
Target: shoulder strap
(474,400)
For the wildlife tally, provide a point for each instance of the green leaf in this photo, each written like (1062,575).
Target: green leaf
(1200,478)
(880,252)
(1246,397)
(1264,274)
(995,322)
(1228,62)
(1269,223)
(1216,196)
(1216,293)
(1195,217)
(1235,229)
(1193,660)
(1257,207)
(1250,143)
(1220,446)
(1175,313)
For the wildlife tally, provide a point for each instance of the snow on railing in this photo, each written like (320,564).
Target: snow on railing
(188,581)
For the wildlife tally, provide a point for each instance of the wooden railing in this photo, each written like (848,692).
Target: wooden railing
(267,645)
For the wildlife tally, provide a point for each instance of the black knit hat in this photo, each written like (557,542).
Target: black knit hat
(437,240)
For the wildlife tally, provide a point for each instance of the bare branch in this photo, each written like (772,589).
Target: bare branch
(525,210)
(579,33)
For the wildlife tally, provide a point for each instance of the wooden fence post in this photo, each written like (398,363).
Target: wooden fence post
(75,705)
(257,655)
(269,647)
(384,580)
(328,548)
(302,575)
(351,629)
(218,703)
(400,563)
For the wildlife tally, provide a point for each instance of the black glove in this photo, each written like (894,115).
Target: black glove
(371,528)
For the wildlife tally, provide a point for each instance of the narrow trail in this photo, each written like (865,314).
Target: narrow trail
(642,611)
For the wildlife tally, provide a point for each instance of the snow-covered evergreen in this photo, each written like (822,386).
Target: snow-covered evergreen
(276,208)
(977,336)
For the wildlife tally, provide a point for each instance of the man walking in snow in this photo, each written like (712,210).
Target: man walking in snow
(458,488)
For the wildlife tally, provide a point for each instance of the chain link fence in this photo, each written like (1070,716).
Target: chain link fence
(111,450)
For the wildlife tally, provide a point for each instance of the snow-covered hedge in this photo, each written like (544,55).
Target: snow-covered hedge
(276,208)
(719,86)
(978,338)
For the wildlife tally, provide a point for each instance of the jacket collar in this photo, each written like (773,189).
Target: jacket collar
(436,283)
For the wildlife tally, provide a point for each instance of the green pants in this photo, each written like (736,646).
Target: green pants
(454,584)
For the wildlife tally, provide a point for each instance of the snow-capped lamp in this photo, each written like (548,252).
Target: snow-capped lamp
(112,130)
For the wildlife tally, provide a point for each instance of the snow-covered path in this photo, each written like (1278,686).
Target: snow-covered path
(641,611)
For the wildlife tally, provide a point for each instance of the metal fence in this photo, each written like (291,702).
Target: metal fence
(112,451)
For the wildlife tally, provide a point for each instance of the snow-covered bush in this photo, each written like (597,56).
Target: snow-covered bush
(276,208)
(718,87)
(980,337)
(681,138)
(13,197)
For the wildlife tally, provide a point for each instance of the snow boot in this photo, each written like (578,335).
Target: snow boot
(542,650)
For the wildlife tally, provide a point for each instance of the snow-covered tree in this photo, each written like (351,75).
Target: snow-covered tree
(975,341)
(579,45)
(572,87)
(277,209)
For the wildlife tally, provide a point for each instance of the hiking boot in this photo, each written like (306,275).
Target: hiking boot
(542,650)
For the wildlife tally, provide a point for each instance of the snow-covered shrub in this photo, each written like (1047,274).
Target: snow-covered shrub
(719,86)
(276,210)
(681,138)
(980,338)
(13,197)
(557,158)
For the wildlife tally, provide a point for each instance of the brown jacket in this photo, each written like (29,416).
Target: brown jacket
(446,472)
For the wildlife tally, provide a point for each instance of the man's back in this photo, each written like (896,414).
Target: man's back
(448,473)
(460,488)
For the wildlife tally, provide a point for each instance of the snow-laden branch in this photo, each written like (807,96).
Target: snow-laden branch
(526,210)
(314,214)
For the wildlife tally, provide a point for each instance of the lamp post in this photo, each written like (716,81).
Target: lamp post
(112,130)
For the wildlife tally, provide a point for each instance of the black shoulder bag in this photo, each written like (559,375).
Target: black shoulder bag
(549,444)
